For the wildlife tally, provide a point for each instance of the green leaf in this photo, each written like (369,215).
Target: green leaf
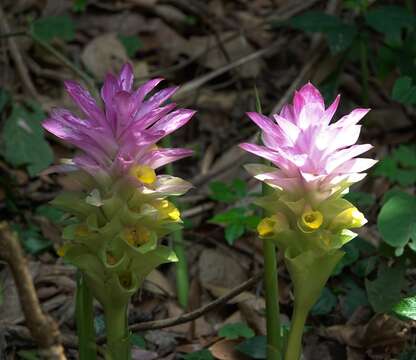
(79,5)
(28,354)
(385,291)
(23,140)
(364,267)
(235,331)
(340,35)
(137,340)
(4,98)
(406,308)
(397,220)
(251,222)
(50,212)
(54,27)
(232,216)
(240,188)
(233,232)
(354,297)
(390,20)
(254,347)
(32,240)
(315,21)
(222,192)
(132,44)
(199,355)
(351,256)
(325,304)
(404,91)
(408,354)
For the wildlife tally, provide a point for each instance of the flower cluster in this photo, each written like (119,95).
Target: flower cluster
(122,209)
(316,162)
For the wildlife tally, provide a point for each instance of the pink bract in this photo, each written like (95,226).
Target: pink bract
(312,154)
(123,132)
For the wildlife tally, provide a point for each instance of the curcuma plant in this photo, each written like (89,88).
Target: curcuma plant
(122,210)
(308,218)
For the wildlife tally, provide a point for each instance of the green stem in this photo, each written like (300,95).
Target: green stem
(294,345)
(364,70)
(118,343)
(274,345)
(182,277)
(84,313)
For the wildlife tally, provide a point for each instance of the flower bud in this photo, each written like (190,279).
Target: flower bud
(348,218)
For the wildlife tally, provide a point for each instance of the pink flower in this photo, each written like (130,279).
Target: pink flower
(311,154)
(121,135)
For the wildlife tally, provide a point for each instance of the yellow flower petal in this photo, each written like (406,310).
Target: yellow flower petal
(144,174)
(137,237)
(63,249)
(311,221)
(272,225)
(266,227)
(167,210)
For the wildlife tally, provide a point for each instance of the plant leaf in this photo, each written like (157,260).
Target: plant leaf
(24,143)
(235,331)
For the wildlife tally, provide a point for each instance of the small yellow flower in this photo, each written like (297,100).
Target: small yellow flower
(349,218)
(63,249)
(167,210)
(137,237)
(272,225)
(144,174)
(310,221)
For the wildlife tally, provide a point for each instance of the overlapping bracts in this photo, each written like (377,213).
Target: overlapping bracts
(123,133)
(312,154)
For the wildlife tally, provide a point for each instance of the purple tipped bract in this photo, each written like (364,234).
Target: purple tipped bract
(311,153)
(121,134)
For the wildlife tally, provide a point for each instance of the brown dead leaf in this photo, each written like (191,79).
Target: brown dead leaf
(103,54)
(140,354)
(382,330)
(219,270)
(201,326)
(251,306)
(158,284)
(225,350)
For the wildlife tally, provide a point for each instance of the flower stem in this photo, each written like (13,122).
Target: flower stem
(85,320)
(274,346)
(118,343)
(182,277)
(294,345)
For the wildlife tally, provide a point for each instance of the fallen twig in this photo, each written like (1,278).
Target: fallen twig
(43,329)
(159,324)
